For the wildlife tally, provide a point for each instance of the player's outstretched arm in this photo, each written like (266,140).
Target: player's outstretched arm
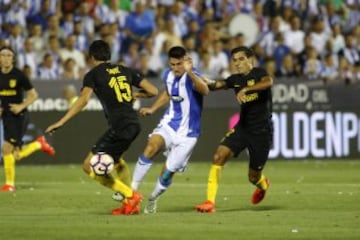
(78,105)
(163,99)
(147,90)
(214,84)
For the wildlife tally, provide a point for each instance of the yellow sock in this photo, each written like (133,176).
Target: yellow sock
(115,184)
(123,172)
(28,149)
(213,181)
(262,184)
(9,169)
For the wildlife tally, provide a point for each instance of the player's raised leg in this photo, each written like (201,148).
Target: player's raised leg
(39,144)
(132,198)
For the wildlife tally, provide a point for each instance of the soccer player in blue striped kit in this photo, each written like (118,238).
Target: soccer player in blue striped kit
(179,128)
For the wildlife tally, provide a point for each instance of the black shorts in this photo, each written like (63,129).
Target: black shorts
(116,141)
(15,127)
(258,145)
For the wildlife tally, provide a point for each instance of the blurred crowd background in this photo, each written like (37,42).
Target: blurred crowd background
(316,40)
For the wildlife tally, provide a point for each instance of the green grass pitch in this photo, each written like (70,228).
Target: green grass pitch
(307,199)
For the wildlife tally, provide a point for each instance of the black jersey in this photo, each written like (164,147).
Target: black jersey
(112,85)
(12,88)
(255,113)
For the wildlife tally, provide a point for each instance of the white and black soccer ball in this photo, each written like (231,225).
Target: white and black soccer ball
(102,163)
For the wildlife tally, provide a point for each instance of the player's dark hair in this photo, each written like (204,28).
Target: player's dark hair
(248,51)
(11,50)
(100,50)
(177,52)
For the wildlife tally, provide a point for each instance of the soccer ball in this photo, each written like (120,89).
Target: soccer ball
(102,163)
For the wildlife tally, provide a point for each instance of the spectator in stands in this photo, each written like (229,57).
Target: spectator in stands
(69,51)
(170,36)
(270,66)
(87,21)
(132,57)
(101,13)
(337,38)
(287,13)
(69,6)
(294,38)
(46,70)
(16,37)
(53,47)
(139,24)
(353,14)
(260,54)
(143,67)
(67,23)
(280,50)
(116,14)
(329,71)
(318,34)
(36,34)
(14,12)
(219,62)
(42,16)
(312,67)
(345,71)
(190,47)
(239,40)
(332,15)
(323,26)
(194,32)
(350,51)
(268,42)
(302,56)
(155,62)
(68,70)
(54,28)
(288,67)
(28,57)
(114,46)
(258,15)
(178,16)
(82,40)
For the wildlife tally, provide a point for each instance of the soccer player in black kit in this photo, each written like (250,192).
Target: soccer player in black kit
(16,94)
(112,84)
(252,86)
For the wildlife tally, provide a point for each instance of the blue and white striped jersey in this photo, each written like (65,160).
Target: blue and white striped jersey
(184,112)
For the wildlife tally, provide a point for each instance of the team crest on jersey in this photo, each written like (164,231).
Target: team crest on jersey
(12,83)
(251,82)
